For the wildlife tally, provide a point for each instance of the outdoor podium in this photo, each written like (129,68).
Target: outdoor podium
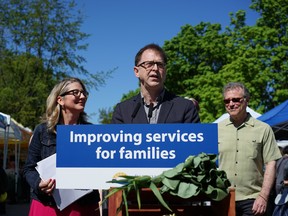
(117,150)
(197,206)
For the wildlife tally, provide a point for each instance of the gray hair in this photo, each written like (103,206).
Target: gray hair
(237,85)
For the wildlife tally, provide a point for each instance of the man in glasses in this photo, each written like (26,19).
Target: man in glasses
(247,152)
(154,104)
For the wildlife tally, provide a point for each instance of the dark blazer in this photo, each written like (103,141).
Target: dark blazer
(174,109)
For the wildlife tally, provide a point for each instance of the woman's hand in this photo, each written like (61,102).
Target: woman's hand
(47,186)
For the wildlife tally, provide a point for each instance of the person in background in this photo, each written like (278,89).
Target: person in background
(3,190)
(247,153)
(65,106)
(195,102)
(10,171)
(281,201)
(280,164)
(154,104)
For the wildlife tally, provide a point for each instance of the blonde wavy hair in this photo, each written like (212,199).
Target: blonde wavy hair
(53,110)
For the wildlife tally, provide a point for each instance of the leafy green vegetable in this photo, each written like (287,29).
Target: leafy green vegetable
(197,174)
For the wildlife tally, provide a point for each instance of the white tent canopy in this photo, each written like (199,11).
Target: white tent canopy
(12,133)
(282,143)
(248,109)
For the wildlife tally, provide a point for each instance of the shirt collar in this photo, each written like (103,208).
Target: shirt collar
(159,98)
(248,121)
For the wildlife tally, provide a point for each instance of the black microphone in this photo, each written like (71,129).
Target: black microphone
(150,110)
(136,110)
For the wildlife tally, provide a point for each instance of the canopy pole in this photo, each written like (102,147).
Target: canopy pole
(5,152)
(17,159)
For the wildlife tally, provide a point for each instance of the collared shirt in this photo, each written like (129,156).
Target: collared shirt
(156,108)
(243,151)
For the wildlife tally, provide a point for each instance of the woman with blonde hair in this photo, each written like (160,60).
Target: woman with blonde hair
(65,106)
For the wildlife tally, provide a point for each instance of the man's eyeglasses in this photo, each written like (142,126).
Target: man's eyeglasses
(234,100)
(76,93)
(150,64)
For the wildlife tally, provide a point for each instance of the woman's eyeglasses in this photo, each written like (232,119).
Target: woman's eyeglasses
(76,93)
(234,100)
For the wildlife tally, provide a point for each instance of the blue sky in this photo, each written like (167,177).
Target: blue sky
(120,28)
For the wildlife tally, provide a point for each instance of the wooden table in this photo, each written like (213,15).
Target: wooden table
(197,206)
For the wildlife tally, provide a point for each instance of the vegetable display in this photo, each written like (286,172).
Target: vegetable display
(197,174)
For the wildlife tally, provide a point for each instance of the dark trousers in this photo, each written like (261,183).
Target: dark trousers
(244,208)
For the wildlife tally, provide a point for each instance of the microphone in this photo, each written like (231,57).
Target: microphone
(150,110)
(136,109)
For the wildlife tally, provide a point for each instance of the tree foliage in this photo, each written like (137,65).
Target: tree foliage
(23,90)
(105,115)
(203,58)
(195,56)
(38,46)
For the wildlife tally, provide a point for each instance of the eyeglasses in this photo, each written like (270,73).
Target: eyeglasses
(234,100)
(150,64)
(76,93)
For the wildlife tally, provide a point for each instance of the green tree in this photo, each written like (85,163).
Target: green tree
(195,57)
(105,115)
(39,40)
(23,92)
(202,59)
(205,57)
(273,24)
